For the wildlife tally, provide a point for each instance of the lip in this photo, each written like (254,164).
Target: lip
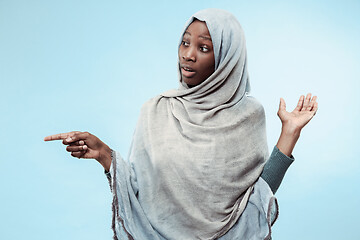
(187,71)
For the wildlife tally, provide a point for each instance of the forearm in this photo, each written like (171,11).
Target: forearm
(275,168)
(287,140)
(281,157)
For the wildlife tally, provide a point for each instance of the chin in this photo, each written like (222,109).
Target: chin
(191,82)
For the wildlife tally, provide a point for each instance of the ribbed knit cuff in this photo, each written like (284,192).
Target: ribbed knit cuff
(275,168)
(108,174)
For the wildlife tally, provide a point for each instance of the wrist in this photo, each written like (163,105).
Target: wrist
(288,138)
(105,157)
(290,130)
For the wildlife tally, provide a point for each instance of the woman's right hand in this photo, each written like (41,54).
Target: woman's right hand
(84,145)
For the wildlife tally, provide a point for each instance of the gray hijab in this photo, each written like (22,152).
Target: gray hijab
(197,152)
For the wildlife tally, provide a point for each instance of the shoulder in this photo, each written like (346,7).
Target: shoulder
(151,103)
(254,102)
(251,106)
(153,106)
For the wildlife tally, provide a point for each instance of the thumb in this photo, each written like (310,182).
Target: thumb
(282,105)
(282,109)
(77,137)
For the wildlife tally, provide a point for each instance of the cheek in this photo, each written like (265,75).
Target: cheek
(209,64)
(179,53)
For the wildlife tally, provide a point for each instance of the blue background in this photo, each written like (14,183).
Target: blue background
(90,65)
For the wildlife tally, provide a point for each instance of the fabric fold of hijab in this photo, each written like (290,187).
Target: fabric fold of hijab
(197,152)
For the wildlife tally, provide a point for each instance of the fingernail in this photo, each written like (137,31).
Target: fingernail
(68,139)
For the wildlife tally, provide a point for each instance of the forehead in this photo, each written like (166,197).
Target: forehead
(197,28)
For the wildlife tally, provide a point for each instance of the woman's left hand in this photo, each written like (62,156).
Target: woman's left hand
(300,116)
(293,122)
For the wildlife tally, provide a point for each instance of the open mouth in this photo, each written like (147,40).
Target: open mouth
(188,69)
(187,72)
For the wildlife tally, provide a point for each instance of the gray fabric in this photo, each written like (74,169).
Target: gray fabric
(131,222)
(196,152)
(259,215)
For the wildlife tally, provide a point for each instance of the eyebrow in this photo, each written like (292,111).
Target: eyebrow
(201,36)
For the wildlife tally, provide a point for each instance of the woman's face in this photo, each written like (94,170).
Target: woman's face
(196,54)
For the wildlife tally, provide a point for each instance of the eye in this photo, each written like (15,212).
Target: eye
(186,44)
(204,48)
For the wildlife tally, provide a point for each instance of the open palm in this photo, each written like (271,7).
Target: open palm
(301,115)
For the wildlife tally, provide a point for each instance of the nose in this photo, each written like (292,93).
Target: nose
(189,54)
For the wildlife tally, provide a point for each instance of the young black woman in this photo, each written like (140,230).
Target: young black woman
(198,167)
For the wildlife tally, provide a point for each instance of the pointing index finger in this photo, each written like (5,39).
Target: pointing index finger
(59,136)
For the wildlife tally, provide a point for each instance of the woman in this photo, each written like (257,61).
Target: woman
(198,152)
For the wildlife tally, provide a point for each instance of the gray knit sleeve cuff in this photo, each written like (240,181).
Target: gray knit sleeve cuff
(108,174)
(275,168)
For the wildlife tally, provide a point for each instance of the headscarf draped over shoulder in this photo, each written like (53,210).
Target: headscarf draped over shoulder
(197,152)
